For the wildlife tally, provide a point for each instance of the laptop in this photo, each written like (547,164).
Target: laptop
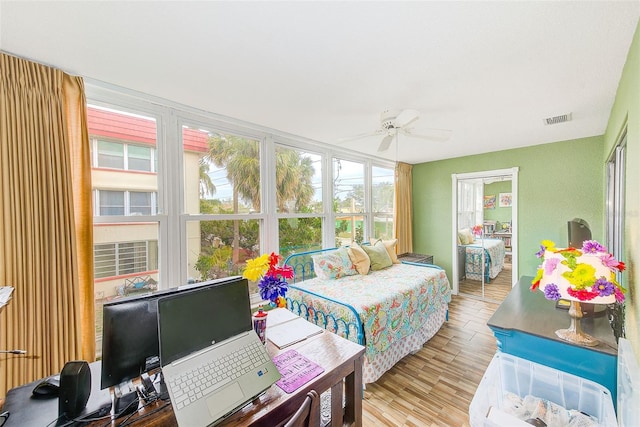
(212,360)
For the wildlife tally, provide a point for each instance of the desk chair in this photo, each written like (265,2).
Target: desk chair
(308,415)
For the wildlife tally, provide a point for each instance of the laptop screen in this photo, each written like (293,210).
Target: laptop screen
(191,321)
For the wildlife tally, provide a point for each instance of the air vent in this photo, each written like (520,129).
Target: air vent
(557,119)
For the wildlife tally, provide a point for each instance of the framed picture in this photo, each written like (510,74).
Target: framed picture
(505,200)
(490,202)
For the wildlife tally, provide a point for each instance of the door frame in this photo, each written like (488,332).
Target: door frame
(455,177)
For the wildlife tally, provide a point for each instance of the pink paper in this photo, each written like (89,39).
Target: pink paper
(296,370)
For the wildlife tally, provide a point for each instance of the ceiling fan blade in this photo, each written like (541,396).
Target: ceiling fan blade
(362,135)
(386,142)
(440,135)
(406,117)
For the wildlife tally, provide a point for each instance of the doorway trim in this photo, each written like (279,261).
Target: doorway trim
(455,177)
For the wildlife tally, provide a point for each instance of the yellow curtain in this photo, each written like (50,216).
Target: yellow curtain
(403,206)
(45,215)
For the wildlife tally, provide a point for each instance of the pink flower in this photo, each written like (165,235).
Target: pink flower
(550,265)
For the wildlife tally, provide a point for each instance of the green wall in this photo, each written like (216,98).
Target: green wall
(626,112)
(557,182)
(500,214)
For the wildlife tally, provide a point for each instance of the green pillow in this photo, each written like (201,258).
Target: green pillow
(378,255)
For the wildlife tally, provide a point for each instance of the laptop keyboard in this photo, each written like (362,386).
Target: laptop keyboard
(207,378)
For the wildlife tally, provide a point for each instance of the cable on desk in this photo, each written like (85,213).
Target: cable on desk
(127,421)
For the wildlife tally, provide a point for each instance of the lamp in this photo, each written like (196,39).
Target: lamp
(578,275)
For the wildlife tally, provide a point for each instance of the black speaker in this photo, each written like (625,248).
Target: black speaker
(75,388)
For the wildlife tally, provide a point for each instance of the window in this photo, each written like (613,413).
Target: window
(110,155)
(348,201)
(125,202)
(222,177)
(117,259)
(111,202)
(615,200)
(382,201)
(211,192)
(298,200)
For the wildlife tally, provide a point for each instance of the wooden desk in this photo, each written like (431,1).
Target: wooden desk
(342,362)
(525,325)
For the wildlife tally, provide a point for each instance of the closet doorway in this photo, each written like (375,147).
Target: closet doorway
(485,233)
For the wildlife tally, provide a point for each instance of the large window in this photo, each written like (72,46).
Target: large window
(299,200)
(222,182)
(183,196)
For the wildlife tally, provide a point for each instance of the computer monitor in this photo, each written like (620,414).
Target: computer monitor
(130,344)
(578,231)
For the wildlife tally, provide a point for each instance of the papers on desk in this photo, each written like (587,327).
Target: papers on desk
(296,370)
(285,328)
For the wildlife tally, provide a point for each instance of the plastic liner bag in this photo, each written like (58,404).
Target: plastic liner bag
(551,414)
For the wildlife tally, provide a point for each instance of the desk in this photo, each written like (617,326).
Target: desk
(341,360)
(525,323)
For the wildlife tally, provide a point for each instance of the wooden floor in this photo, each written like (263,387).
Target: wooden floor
(435,386)
(497,288)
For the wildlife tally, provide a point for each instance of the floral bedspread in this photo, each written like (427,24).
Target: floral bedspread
(495,262)
(392,303)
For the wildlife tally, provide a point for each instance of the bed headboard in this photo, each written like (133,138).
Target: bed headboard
(302,264)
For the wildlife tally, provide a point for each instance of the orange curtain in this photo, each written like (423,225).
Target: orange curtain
(404,208)
(45,215)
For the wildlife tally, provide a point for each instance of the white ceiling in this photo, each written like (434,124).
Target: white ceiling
(489,71)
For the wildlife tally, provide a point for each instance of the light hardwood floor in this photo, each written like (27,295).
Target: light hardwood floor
(435,386)
(496,290)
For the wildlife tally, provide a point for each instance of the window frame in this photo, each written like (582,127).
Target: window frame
(170,216)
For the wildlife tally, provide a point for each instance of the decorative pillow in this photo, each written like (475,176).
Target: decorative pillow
(469,236)
(333,265)
(391,248)
(359,258)
(465,237)
(378,255)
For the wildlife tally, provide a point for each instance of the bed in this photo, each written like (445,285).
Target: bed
(392,312)
(492,263)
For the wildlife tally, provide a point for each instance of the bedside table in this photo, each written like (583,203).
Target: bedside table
(417,258)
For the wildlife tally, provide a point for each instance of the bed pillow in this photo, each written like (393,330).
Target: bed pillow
(390,245)
(333,265)
(359,258)
(469,236)
(465,237)
(378,255)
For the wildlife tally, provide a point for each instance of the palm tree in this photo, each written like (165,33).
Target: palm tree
(241,159)
(206,185)
(293,179)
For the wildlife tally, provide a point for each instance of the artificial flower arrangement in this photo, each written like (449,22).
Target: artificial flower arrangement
(270,276)
(476,230)
(587,274)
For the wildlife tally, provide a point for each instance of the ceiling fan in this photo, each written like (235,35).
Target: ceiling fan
(393,122)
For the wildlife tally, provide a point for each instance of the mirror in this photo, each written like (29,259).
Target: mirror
(485,233)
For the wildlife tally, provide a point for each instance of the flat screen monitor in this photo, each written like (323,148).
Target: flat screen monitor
(130,344)
(578,231)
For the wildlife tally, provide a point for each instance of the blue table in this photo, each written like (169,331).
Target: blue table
(525,323)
